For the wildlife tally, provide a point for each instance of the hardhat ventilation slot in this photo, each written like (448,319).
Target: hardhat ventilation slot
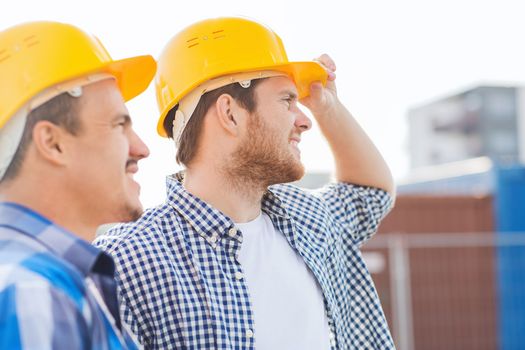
(192,42)
(218,34)
(31,41)
(4,55)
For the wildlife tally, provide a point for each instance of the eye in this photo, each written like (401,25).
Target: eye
(289,101)
(122,122)
(120,125)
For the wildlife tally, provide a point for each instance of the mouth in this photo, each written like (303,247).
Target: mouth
(131,169)
(294,142)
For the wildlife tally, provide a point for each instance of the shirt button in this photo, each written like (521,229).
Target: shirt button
(232,232)
(238,275)
(213,238)
(249,333)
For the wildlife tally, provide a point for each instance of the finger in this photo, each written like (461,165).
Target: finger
(331,74)
(326,68)
(326,61)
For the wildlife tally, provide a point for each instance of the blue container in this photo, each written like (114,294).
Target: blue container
(509,208)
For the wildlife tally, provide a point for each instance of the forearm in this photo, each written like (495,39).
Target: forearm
(357,160)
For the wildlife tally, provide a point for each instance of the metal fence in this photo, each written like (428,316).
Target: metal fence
(451,291)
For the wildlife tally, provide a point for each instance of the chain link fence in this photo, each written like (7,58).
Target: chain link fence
(463,291)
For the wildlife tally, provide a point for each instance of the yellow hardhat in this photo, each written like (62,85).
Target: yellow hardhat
(222,46)
(38,55)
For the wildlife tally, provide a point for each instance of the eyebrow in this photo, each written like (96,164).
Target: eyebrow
(126,117)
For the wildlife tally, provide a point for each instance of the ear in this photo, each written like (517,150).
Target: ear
(49,142)
(229,114)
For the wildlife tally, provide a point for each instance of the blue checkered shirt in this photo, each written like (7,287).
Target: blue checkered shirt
(178,275)
(51,288)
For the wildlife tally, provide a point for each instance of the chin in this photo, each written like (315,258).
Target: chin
(291,171)
(130,210)
(299,173)
(135,211)
(297,167)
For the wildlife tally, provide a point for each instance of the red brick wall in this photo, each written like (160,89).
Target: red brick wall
(453,289)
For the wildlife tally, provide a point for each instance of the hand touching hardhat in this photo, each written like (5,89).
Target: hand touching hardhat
(322,99)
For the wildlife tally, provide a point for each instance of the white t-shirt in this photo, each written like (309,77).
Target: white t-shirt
(287,301)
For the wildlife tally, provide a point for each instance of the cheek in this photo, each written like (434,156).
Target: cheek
(282,119)
(277,136)
(110,155)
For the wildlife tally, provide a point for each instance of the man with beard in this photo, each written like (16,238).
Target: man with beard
(235,259)
(67,158)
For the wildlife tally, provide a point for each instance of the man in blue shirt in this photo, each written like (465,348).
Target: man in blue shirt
(67,158)
(236,258)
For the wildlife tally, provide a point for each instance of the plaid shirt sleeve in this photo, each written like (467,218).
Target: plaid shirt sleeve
(37,315)
(358,209)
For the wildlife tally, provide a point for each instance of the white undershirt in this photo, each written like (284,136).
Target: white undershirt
(287,301)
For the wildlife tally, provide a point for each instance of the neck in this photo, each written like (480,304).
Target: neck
(236,197)
(46,200)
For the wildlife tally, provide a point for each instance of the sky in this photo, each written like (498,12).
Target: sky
(391,56)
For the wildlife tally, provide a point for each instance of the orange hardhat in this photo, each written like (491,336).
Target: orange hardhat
(37,55)
(222,46)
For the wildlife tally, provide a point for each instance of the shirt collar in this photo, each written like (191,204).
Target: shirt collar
(271,203)
(204,218)
(85,257)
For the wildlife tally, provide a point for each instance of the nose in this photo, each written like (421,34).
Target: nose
(302,121)
(137,148)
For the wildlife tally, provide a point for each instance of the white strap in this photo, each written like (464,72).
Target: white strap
(189,102)
(10,136)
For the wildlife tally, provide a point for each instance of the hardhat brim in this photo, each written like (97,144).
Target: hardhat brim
(133,74)
(302,73)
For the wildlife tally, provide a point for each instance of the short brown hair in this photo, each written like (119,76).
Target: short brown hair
(61,110)
(190,136)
